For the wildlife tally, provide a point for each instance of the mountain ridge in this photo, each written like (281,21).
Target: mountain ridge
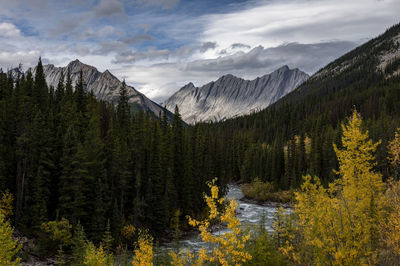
(230,96)
(104,85)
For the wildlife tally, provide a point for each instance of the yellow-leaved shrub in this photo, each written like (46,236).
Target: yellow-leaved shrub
(144,251)
(8,247)
(340,224)
(227,248)
(96,256)
(6,202)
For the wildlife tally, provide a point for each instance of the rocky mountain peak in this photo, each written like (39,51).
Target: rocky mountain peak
(105,86)
(231,96)
(283,68)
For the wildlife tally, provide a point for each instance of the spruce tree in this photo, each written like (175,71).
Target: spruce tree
(60,89)
(178,155)
(40,90)
(123,110)
(80,94)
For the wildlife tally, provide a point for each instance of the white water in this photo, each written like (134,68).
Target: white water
(247,213)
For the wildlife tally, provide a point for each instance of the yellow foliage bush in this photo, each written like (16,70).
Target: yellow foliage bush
(128,232)
(8,247)
(6,202)
(59,230)
(391,226)
(228,248)
(340,224)
(144,251)
(96,256)
(394,149)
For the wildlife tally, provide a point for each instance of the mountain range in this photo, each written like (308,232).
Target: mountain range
(227,97)
(104,85)
(230,96)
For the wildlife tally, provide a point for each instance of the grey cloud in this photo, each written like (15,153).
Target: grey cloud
(105,8)
(307,57)
(137,38)
(108,8)
(165,4)
(67,25)
(107,47)
(188,50)
(240,45)
(152,53)
(131,56)
(80,50)
(103,32)
(208,46)
(184,51)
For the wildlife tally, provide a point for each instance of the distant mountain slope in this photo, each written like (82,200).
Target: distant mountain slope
(294,136)
(358,79)
(104,85)
(375,59)
(231,96)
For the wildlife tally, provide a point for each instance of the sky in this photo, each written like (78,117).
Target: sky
(158,46)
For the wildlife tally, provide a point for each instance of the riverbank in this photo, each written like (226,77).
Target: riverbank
(265,193)
(270,204)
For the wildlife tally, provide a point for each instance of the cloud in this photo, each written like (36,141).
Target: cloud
(107,47)
(240,45)
(260,60)
(10,60)
(208,46)
(103,32)
(187,51)
(80,50)
(138,38)
(126,57)
(159,81)
(272,22)
(9,30)
(84,17)
(108,8)
(133,56)
(68,25)
(165,4)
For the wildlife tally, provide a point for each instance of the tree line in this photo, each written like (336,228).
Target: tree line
(65,154)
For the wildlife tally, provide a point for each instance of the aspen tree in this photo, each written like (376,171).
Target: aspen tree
(341,223)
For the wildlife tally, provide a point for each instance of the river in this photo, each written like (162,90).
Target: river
(247,213)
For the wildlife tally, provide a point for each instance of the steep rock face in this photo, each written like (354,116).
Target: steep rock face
(104,85)
(231,96)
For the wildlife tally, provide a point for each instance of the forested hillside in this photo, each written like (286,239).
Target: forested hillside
(64,154)
(295,135)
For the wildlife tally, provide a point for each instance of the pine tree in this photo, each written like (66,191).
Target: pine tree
(79,240)
(178,155)
(68,87)
(157,184)
(123,110)
(40,89)
(107,240)
(80,94)
(43,167)
(60,89)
